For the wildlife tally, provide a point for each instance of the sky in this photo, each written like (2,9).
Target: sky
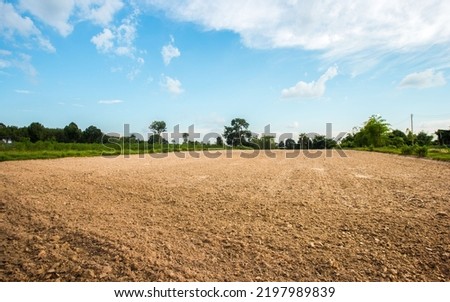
(293,64)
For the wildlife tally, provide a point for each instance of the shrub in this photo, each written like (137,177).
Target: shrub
(422,151)
(407,150)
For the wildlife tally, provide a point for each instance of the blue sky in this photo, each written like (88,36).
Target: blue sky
(295,65)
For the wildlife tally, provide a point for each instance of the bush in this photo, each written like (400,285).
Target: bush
(422,151)
(407,150)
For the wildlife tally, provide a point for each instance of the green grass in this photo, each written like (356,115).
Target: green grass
(437,153)
(51,150)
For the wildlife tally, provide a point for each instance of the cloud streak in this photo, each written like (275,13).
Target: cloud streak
(314,89)
(425,79)
(336,28)
(172,85)
(170,52)
(110,102)
(14,24)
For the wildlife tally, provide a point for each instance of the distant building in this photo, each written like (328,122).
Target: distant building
(443,137)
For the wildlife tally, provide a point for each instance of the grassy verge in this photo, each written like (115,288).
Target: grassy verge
(51,150)
(436,153)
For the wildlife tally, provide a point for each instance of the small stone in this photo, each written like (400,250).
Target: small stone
(107,269)
(42,254)
(311,244)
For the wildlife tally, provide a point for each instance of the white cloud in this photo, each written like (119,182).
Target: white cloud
(13,23)
(431,126)
(312,89)
(99,11)
(23,91)
(119,40)
(172,85)
(23,62)
(110,102)
(57,13)
(4,52)
(104,41)
(169,52)
(4,63)
(425,79)
(338,28)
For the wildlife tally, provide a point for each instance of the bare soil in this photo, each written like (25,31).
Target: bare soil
(367,217)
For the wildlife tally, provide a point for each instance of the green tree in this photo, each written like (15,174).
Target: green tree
(265,142)
(72,133)
(157,127)
(237,134)
(219,141)
(289,144)
(304,141)
(423,139)
(4,133)
(92,134)
(185,138)
(397,138)
(36,132)
(319,142)
(373,133)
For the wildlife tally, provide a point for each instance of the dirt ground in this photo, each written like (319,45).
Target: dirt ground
(367,217)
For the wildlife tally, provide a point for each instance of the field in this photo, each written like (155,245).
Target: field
(364,217)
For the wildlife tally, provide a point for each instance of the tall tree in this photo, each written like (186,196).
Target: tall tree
(92,135)
(237,134)
(423,139)
(185,137)
(72,133)
(36,132)
(373,133)
(157,127)
(304,141)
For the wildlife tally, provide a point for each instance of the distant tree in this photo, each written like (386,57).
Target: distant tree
(92,134)
(304,141)
(423,139)
(237,134)
(4,133)
(185,137)
(376,129)
(289,144)
(373,133)
(443,137)
(219,141)
(55,134)
(281,145)
(397,138)
(36,132)
(157,127)
(319,142)
(265,142)
(72,133)
(322,142)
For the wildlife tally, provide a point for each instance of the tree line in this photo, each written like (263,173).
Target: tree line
(375,132)
(37,132)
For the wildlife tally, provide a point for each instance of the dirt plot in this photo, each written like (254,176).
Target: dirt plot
(367,217)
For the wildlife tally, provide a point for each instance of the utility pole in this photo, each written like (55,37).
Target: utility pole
(412,128)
